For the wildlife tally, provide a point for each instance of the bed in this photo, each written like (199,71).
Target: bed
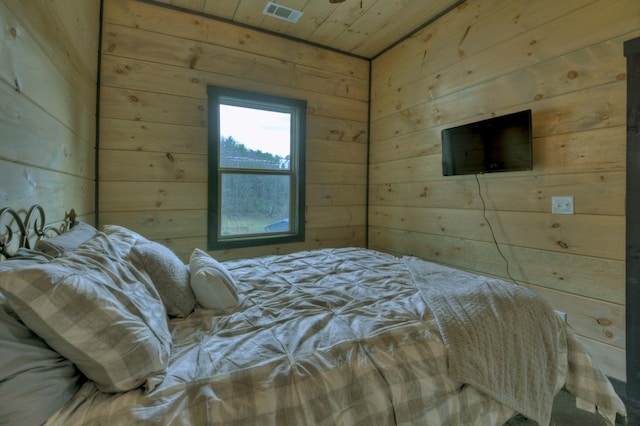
(108,327)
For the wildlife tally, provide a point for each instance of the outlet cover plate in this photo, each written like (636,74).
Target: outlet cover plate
(562,205)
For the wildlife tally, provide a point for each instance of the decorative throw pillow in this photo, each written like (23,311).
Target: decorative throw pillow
(213,285)
(35,380)
(108,325)
(169,275)
(68,241)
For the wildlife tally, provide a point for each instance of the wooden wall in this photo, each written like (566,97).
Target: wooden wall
(563,60)
(156,65)
(48,87)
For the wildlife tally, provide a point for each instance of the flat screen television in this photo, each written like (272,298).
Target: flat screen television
(498,144)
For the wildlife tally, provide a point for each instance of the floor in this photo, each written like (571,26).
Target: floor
(565,413)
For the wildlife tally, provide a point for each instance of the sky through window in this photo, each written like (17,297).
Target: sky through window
(257,129)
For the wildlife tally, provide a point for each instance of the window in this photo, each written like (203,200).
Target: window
(256,169)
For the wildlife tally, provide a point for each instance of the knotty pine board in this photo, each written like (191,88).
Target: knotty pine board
(490,58)
(184,25)
(599,193)
(156,66)
(48,106)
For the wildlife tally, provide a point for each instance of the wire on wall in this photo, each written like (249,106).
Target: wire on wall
(493,235)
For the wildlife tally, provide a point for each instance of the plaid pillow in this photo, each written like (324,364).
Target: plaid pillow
(35,381)
(98,312)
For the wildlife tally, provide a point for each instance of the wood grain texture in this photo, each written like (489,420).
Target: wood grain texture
(48,87)
(581,275)
(314,239)
(156,66)
(188,26)
(363,28)
(600,193)
(490,58)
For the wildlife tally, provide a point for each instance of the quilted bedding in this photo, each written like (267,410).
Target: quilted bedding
(332,336)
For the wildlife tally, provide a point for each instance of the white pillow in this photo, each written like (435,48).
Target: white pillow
(212,284)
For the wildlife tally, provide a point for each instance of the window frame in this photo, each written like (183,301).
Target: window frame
(297,108)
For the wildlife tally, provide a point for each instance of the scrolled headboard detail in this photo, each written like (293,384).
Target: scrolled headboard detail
(32,227)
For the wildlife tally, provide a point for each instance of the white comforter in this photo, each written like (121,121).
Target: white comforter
(332,336)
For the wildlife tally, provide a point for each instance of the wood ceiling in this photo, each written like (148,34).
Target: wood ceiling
(363,28)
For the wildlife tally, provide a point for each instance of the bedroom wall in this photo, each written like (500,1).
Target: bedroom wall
(156,65)
(563,60)
(48,75)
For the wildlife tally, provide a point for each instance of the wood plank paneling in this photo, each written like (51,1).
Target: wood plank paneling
(573,71)
(188,26)
(335,173)
(30,135)
(333,129)
(529,34)
(362,28)
(593,109)
(123,196)
(38,77)
(314,239)
(65,35)
(594,319)
(594,193)
(327,216)
(137,105)
(335,195)
(24,185)
(48,87)
(336,151)
(490,58)
(595,278)
(156,66)
(147,59)
(587,235)
(159,224)
(120,134)
(581,296)
(152,166)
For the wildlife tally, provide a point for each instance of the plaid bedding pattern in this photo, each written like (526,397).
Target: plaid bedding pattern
(325,337)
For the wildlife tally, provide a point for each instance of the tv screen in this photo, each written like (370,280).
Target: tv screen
(498,144)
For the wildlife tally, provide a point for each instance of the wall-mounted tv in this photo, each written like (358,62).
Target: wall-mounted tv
(498,144)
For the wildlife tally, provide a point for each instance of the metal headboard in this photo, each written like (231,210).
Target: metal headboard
(31,227)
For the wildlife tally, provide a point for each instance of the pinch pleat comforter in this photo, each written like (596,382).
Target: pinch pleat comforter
(324,337)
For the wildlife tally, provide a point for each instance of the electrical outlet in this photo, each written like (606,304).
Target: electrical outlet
(562,205)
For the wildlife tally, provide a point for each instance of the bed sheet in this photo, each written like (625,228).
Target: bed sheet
(330,336)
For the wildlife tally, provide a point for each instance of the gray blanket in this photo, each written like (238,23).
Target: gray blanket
(501,338)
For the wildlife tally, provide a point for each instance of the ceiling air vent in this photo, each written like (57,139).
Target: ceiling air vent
(282,12)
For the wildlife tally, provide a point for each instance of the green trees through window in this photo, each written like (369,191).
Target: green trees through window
(262,201)
(256,169)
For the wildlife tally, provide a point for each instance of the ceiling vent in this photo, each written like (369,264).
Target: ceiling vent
(282,12)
